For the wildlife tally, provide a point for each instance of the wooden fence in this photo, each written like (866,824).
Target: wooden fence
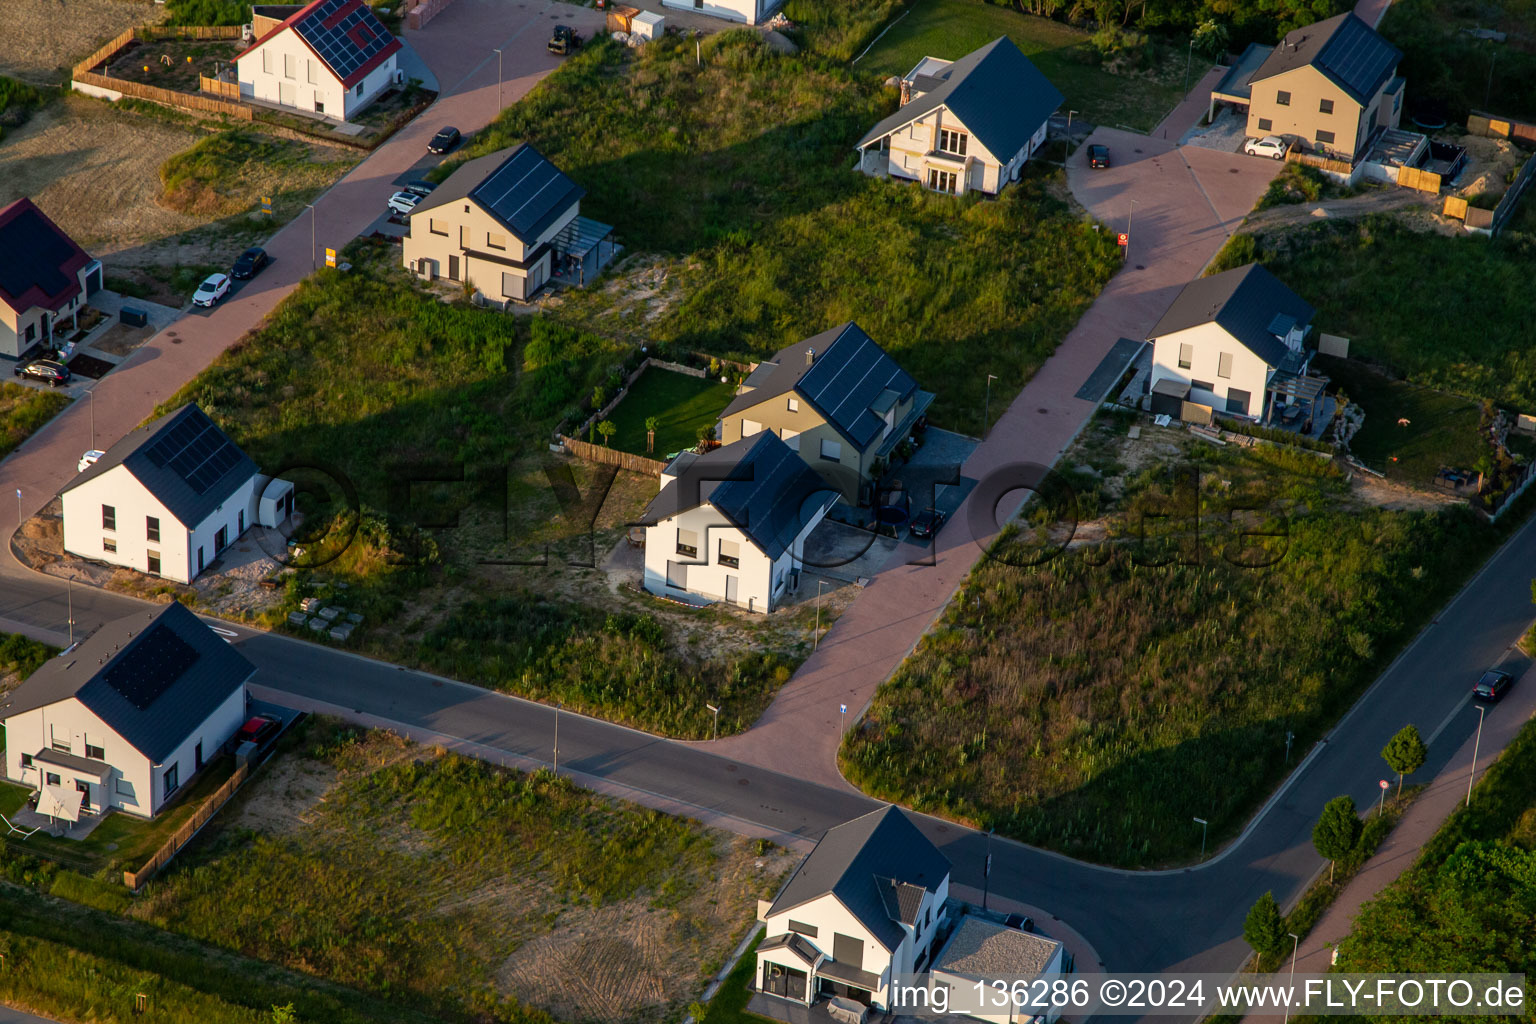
(612,457)
(228,90)
(106,52)
(165,97)
(135,880)
(1506,207)
(1490,126)
(190,32)
(1414,177)
(1324,163)
(85,75)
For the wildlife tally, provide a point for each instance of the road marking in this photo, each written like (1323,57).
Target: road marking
(1465,700)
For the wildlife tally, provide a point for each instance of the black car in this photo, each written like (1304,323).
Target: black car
(1493,685)
(444,140)
(54,373)
(421,188)
(250,263)
(927,523)
(1098,156)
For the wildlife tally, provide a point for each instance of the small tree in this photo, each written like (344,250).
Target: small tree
(284,1014)
(651,423)
(1264,928)
(606,428)
(1405,753)
(1337,831)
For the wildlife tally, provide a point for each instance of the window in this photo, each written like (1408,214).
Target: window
(151,528)
(1202,385)
(1326,137)
(794,405)
(109,545)
(437,228)
(1186,356)
(314,77)
(26,760)
(359,90)
(95,753)
(677,575)
(1283,98)
(290,63)
(792,439)
(832,450)
(1325,106)
(108,517)
(31,331)
(750,427)
(220,539)
(496,241)
(730,554)
(1237,401)
(62,746)
(688,543)
(1265,124)
(1224,365)
(808,930)
(1397,100)
(154,563)
(941,181)
(171,780)
(266,62)
(124,788)
(53,779)
(951,142)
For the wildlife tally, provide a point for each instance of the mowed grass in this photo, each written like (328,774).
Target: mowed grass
(681,403)
(952,28)
(23,411)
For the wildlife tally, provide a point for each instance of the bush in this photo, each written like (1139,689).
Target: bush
(17,101)
(208,12)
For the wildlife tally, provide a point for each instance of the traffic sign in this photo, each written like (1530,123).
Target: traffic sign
(330,257)
(266,204)
(1124,239)
(842,708)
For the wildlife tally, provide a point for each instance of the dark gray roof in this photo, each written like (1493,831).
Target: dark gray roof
(854,860)
(74,762)
(183,459)
(794,942)
(995,91)
(849,375)
(1245,302)
(758,483)
(1349,52)
(517,186)
(152,677)
(902,900)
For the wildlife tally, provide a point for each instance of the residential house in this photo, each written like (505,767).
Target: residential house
(838,399)
(730,525)
(749,12)
(1333,84)
(1233,341)
(863,907)
(507,223)
(332,57)
(169,497)
(44,278)
(964,126)
(130,714)
(984,950)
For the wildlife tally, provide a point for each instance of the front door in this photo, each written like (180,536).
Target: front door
(85,794)
(197,756)
(199,558)
(220,539)
(1237,401)
(240,522)
(730,590)
(453,268)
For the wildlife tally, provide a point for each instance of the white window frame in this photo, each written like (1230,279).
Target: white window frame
(831,450)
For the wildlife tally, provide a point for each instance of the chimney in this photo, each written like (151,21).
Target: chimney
(810,356)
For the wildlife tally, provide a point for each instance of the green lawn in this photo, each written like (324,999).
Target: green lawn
(23,411)
(682,403)
(953,28)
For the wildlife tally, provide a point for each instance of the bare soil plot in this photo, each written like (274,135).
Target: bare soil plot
(173,63)
(43,38)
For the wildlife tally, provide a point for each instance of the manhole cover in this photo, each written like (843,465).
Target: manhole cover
(741,782)
(1042,410)
(175,341)
(1140,267)
(171,334)
(1135,151)
(1231,170)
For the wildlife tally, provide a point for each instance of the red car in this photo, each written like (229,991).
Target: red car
(258,730)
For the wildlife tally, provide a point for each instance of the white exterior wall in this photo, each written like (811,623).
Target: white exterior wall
(706,576)
(373,83)
(1209,341)
(265,80)
(228,515)
(749,12)
(213,733)
(985,171)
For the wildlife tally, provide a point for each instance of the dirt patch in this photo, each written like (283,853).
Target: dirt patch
(43,38)
(122,339)
(1407,203)
(1489,165)
(281,798)
(1373,490)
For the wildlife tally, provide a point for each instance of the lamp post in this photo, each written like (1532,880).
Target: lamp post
(815,638)
(714,729)
(557,737)
(1068,141)
(1204,825)
(1128,217)
(986,872)
(1295,945)
(986,408)
(93,418)
(69,590)
(498,80)
(311,208)
(1189,60)
(1475,743)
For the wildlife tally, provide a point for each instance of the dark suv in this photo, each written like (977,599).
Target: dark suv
(1098,156)
(444,140)
(249,263)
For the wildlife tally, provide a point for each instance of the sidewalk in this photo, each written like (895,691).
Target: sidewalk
(1195,105)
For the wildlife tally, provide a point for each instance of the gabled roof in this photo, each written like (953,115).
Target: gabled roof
(39,264)
(995,91)
(152,677)
(796,943)
(847,378)
(758,483)
(517,186)
(345,35)
(1246,303)
(1352,55)
(183,459)
(859,858)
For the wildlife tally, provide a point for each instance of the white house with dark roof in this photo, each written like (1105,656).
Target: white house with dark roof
(507,223)
(863,907)
(45,278)
(1233,341)
(169,497)
(748,12)
(964,126)
(130,714)
(984,950)
(730,525)
(331,57)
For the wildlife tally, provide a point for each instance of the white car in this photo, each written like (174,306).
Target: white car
(211,290)
(88,460)
(403,202)
(1272,146)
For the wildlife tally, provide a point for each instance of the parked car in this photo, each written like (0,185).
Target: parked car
(444,140)
(258,730)
(88,460)
(214,288)
(421,188)
(1493,685)
(403,203)
(250,263)
(565,40)
(927,523)
(1098,156)
(55,373)
(1270,145)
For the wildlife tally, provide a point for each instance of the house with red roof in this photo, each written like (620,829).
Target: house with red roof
(332,57)
(45,278)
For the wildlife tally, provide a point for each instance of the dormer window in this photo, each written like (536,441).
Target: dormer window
(952,142)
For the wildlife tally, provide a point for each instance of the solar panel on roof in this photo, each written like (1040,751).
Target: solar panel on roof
(196,451)
(345,39)
(31,254)
(151,666)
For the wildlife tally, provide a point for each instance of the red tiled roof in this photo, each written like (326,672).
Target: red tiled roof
(39,264)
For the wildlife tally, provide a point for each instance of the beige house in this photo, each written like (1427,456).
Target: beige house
(838,399)
(45,278)
(507,223)
(964,126)
(1333,85)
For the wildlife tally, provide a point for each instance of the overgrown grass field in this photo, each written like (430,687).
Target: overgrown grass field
(227,174)
(1454,72)
(17,101)
(681,403)
(23,411)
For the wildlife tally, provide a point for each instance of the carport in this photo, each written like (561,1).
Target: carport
(583,248)
(1236,85)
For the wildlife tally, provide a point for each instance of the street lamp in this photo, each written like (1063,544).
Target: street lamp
(986,872)
(816,637)
(557,737)
(714,730)
(1128,217)
(1203,826)
(986,408)
(1068,141)
(1189,60)
(92,393)
(311,208)
(498,79)
(69,590)
(1475,743)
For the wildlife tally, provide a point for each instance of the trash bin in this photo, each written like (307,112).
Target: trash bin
(133,317)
